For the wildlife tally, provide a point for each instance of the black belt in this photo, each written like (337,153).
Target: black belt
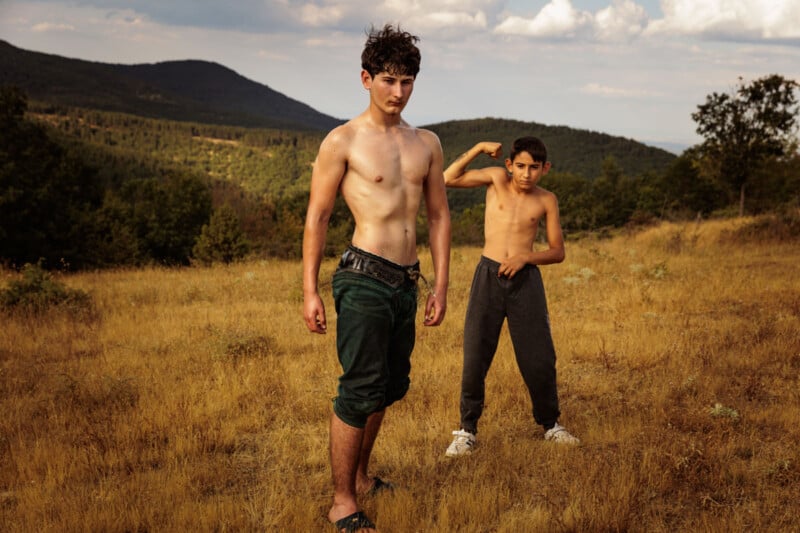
(376,267)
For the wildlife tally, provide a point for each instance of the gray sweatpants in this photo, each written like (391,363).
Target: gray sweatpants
(522,301)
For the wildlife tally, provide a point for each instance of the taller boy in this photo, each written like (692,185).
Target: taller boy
(383,168)
(507,284)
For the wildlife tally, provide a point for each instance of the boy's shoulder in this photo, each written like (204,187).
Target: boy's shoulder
(343,132)
(498,173)
(426,134)
(545,195)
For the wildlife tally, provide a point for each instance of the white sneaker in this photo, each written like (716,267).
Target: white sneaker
(560,435)
(463,444)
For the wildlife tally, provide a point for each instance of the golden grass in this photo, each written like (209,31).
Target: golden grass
(197,401)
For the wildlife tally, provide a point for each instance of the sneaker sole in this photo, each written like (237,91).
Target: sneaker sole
(455,455)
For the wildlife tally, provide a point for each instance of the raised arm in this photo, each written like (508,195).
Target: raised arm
(439,233)
(457,175)
(329,169)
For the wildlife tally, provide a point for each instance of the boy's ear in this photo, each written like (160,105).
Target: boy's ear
(366,80)
(546,168)
(508,165)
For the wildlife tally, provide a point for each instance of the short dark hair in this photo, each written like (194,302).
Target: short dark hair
(533,145)
(390,50)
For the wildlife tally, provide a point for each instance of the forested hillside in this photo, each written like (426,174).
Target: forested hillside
(269,163)
(177,179)
(569,149)
(85,188)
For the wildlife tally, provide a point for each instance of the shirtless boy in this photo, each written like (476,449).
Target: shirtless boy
(508,285)
(383,167)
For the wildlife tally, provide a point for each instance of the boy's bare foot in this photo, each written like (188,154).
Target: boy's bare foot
(373,486)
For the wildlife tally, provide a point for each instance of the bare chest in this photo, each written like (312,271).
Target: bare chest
(389,161)
(508,211)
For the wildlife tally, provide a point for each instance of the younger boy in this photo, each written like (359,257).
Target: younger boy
(508,284)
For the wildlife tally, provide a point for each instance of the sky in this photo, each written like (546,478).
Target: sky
(631,68)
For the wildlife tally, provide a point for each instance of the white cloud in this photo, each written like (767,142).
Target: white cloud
(605,91)
(460,19)
(620,21)
(49,26)
(730,19)
(448,18)
(556,19)
(315,15)
(271,55)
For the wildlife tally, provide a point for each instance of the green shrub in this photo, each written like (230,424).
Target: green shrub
(37,292)
(222,239)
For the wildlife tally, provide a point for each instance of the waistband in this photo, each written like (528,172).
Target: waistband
(376,267)
(494,266)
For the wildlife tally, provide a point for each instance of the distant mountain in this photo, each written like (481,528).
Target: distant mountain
(675,148)
(569,149)
(196,91)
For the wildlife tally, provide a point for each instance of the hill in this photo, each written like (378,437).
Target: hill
(197,91)
(569,149)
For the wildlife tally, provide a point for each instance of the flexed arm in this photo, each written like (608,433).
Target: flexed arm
(457,175)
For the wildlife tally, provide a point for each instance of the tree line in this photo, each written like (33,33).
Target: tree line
(89,189)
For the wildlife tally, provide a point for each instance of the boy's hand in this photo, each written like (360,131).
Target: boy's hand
(492,149)
(435,309)
(511,265)
(314,314)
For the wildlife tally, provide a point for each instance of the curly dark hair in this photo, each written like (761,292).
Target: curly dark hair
(534,146)
(391,50)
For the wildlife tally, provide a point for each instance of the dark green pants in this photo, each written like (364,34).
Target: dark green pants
(375,333)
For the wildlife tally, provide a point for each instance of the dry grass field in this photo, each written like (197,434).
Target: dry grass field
(195,400)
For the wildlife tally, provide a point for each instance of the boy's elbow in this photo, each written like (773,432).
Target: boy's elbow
(559,255)
(452,177)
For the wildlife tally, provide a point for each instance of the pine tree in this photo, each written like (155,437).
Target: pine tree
(222,239)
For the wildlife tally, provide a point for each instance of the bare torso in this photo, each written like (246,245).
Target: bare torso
(512,218)
(383,184)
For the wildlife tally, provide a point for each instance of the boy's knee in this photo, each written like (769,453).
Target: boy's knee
(355,412)
(397,391)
